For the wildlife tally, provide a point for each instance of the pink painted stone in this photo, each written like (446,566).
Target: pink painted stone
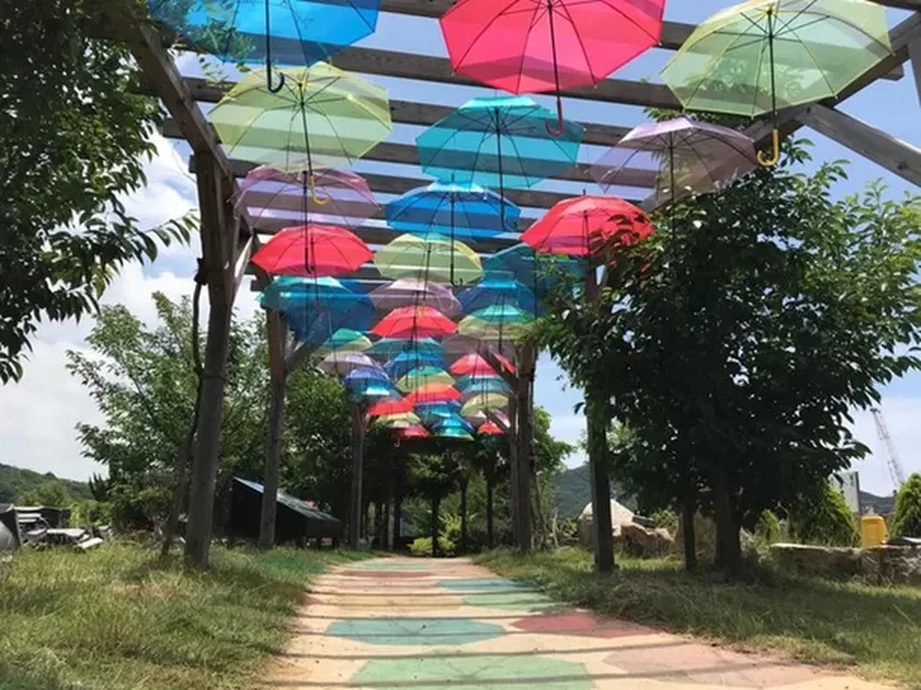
(583,624)
(385,574)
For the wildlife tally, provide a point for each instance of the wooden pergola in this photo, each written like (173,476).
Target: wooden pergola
(229,239)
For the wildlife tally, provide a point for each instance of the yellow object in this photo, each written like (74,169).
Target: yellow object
(873,531)
(775,156)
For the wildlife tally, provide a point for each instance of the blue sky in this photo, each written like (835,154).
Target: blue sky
(44,407)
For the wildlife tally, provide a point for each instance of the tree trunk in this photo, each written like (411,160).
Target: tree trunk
(182,485)
(688,510)
(490,526)
(204,469)
(463,516)
(728,543)
(436,547)
(597,422)
(356,502)
(388,501)
(397,516)
(272,465)
(525,456)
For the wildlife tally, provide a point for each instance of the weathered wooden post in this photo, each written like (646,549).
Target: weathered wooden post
(358,437)
(278,380)
(524,432)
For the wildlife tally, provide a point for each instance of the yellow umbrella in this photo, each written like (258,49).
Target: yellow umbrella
(484,403)
(429,260)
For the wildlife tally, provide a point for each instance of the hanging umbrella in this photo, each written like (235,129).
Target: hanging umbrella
(370,391)
(506,364)
(490,429)
(494,323)
(534,46)
(406,361)
(485,403)
(315,308)
(322,115)
(588,225)
(424,376)
(451,432)
(269,194)
(472,364)
(465,383)
(404,292)
(457,345)
(409,417)
(498,142)
(413,432)
(483,387)
(371,374)
(389,348)
(766,55)
(540,272)
(687,157)
(436,260)
(414,322)
(291,33)
(345,340)
(455,422)
(343,363)
(312,250)
(499,288)
(433,394)
(477,418)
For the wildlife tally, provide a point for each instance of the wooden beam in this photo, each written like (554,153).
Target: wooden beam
(297,356)
(914,52)
(242,262)
(894,155)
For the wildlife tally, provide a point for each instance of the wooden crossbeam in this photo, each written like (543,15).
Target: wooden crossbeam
(914,52)
(895,155)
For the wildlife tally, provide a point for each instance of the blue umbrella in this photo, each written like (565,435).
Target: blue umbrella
(460,212)
(289,32)
(408,360)
(438,411)
(315,308)
(540,272)
(485,385)
(468,382)
(499,288)
(392,347)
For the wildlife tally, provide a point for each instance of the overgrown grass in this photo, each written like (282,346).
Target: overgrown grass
(877,630)
(114,619)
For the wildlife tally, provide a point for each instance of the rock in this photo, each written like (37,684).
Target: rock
(646,542)
(882,564)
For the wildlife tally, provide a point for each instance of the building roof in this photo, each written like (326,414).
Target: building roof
(291,502)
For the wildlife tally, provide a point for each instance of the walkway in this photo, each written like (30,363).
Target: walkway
(437,624)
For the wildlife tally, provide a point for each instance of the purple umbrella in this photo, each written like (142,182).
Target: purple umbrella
(405,292)
(343,363)
(689,157)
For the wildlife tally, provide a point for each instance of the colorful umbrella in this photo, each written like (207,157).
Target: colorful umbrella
(389,407)
(345,340)
(409,417)
(424,376)
(292,33)
(465,383)
(687,157)
(540,272)
(588,226)
(342,198)
(458,345)
(451,432)
(485,403)
(389,348)
(414,322)
(312,250)
(499,288)
(765,55)
(315,308)
(533,46)
(406,361)
(490,429)
(496,322)
(432,394)
(472,364)
(436,260)
(343,363)
(413,432)
(321,115)
(483,387)
(367,374)
(404,292)
(498,142)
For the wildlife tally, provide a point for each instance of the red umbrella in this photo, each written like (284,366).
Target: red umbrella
(536,46)
(413,432)
(490,428)
(472,365)
(313,250)
(390,407)
(433,393)
(413,323)
(506,364)
(588,225)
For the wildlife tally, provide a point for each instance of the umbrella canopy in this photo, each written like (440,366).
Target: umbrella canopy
(345,340)
(588,225)
(435,413)
(525,46)
(499,288)
(539,272)
(390,407)
(343,363)
(454,422)
(457,345)
(498,142)
(291,33)
(414,322)
(465,383)
(472,365)
(367,374)
(458,212)
(321,115)
(436,260)
(408,291)
(313,250)
(409,417)
(406,361)
(424,376)
(432,394)
(687,157)
(452,432)
(413,432)
(389,348)
(766,55)
(315,308)
(485,403)
(496,322)
(483,387)
(368,390)
(274,197)
(490,429)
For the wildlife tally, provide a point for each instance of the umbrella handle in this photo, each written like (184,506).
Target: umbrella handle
(268,80)
(320,199)
(556,131)
(775,155)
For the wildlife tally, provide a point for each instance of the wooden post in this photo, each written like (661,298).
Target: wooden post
(355,504)
(276,342)
(514,485)
(914,52)
(524,432)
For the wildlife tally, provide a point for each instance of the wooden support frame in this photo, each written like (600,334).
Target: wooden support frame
(278,379)
(524,431)
(356,501)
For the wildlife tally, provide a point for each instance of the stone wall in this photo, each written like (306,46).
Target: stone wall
(883,564)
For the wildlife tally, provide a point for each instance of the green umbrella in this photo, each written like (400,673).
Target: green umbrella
(423,376)
(766,55)
(345,340)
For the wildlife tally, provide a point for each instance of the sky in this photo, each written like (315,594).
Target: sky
(40,412)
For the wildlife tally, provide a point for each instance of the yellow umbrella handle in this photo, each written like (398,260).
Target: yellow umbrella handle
(775,157)
(318,199)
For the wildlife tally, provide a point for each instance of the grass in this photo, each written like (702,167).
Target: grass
(114,618)
(875,630)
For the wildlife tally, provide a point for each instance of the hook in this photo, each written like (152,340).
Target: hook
(320,199)
(556,131)
(268,80)
(775,156)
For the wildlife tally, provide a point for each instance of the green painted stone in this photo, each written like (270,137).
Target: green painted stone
(415,631)
(485,584)
(474,672)
(515,601)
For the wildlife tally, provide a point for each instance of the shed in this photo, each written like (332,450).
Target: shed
(296,521)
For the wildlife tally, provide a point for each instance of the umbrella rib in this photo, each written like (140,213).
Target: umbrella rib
(535,17)
(713,63)
(578,35)
(627,17)
(486,27)
(812,57)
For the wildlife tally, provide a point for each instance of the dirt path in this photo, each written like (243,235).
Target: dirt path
(437,624)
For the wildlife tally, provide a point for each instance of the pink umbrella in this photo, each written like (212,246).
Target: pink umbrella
(276,197)
(413,323)
(312,250)
(406,291)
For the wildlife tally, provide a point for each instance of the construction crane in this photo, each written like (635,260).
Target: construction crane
(892,461)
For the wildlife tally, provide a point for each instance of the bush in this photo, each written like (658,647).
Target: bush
(768,527)
(823,517)
(423,546)
(906,521)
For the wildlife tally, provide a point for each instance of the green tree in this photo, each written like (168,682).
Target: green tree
(490,458)
(50,493)
(434,476)
(906,522)
(735,345)
(549,454)
(73,140)
(822,516)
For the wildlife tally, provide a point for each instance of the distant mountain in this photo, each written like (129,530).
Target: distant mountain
(17,483)
(572,490)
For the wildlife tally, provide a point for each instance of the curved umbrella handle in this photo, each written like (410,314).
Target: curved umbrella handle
(766,162)
(560,128)
(319,198)
(268,80)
